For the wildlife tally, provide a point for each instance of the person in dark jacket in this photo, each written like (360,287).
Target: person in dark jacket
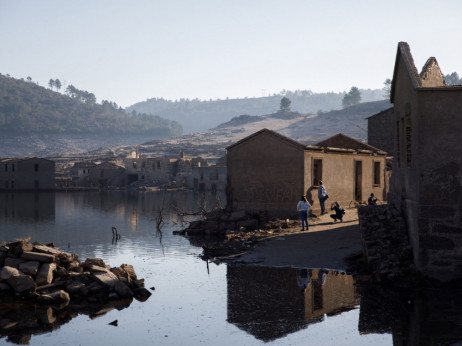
(339,212)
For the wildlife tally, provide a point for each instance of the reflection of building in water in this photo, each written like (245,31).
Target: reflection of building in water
(26,206)
(270,303)
(329,292)
(414,318)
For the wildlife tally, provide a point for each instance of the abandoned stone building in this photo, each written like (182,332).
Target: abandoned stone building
(379,130)
(161,170)
(427,168)
(27,174)
(268,172)
(209,178)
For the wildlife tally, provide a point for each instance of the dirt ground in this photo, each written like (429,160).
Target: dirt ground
(325,245)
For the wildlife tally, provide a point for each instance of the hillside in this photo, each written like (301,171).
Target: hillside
(199,115)
(305,128)
(26,107)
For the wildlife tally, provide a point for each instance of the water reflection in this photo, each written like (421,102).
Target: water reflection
(27,207)
(424,317)
(18,322)
(270,303)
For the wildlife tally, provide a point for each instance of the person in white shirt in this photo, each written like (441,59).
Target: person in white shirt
(303,207)
(322,195)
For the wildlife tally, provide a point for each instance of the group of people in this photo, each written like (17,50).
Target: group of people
(304,206)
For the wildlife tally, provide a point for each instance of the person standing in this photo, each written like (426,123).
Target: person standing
(322,195)
(303,207)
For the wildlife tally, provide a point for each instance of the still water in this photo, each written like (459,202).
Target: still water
(193,302)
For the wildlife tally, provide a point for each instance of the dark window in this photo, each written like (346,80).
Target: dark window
(376,173)
(158,164)
(317,172)
(143,165)
(36,167)
(6,167)
(12,184)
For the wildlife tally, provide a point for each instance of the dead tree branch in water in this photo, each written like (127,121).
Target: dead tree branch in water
(202,208)
(160,219)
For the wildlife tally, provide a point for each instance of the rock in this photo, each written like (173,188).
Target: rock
(50,250)
(57,297)
(141,294)
(7,272)
(40,257)
(122,290)
(106,278)
(75,286)
(4,287)
(45,274)
(125,272)
(89,262)
(13,262)
(21,283)
(29,267)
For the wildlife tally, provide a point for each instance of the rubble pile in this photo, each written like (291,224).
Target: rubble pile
(235,232)
(386,246)
(45,274)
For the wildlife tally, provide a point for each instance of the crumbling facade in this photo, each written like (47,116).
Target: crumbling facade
(379,130)
(27,174)
(427,168)
(268,172)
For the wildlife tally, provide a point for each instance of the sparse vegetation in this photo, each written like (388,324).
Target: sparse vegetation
(26,107)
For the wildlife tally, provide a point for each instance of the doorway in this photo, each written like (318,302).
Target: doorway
(358,181)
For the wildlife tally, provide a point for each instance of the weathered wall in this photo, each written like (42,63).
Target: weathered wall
(339,177)
(208,178)
(266,172)
(379,131)
(438,167)
(427,180)
(28,174)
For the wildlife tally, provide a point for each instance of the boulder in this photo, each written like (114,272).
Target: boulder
(89,262)
(46,250)
(46,315)
(13,262)
(122,290)
(40,257)
(106,278)
(45,274)
(7,272)
(21,283)
(29,267)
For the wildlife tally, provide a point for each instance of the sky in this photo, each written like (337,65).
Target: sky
(127,51)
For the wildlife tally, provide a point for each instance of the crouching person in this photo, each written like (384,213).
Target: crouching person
(339,212)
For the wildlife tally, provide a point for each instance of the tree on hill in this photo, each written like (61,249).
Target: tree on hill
(353,97)
(452,79)
(58,84)
(386,88)
(51,83)
(285,105)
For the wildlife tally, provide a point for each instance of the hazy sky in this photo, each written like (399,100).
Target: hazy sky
(127,51)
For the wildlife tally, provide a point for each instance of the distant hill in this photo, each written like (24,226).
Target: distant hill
(27,108)
(304,128)
(199,115)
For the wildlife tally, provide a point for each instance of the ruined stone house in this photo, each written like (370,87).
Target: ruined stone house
(27,174)
(149,171)
(209,178)
(268,172)
(427,168)
(379,130)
